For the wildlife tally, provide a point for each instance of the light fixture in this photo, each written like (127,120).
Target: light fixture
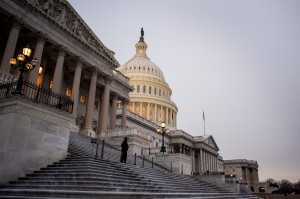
(163,132)
(40,70)
(27,51)
(23,66)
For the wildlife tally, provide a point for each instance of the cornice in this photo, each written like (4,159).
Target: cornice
(61,14)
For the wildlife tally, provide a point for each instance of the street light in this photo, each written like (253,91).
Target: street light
(163,130)
(23,65)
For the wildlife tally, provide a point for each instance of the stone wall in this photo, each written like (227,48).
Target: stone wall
(32,136)
(180,163)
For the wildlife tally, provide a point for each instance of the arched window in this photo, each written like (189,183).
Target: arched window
(155,91)
(144,89)
(159,92)
(149,89)
(138,88)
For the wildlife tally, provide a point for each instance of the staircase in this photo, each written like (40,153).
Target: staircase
(81,175)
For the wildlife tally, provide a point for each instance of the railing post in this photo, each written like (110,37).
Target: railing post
(38,93)
(96,154)
(102,150)
(152,161)
(143,160)
(59,103)
(181,168)
(149,150)
(134,159)
(171,166)
(7,90)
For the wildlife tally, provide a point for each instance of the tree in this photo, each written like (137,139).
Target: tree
(285,184)
(297,187)
(272,183)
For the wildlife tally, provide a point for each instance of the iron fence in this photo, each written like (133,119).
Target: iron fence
(37,94)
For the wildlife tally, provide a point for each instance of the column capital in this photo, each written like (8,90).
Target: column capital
(108,79)
(17,22)
(79,61)
(114,94)
(42,37)
(125,100)
(62,51)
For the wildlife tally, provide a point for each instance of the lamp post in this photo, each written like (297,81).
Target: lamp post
(23,65)
(163,130)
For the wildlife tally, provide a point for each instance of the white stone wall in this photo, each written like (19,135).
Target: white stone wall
(30,137)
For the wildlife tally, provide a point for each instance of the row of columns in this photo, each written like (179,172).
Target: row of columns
(154,117)
(208,162)
(58,78)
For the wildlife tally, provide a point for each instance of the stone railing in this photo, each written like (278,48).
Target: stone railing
(5,77)
(125,132)
(119,76)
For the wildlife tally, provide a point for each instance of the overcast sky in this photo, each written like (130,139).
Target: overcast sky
(239,61)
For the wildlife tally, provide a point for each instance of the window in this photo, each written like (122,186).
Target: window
(149,89)
(144,89)
(68,92)
(159,92)
(138,88)
(155,91)
(83,99)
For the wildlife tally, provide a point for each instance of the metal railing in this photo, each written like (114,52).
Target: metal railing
(37,94)
(169,150)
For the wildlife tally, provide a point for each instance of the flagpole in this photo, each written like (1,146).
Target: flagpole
(204,122)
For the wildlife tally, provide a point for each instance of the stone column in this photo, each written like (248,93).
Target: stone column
(167,115)
(10,46)
(161,113)
(56,86)
(124,113)
(155,112)
(38,52)
(193,161)
(113,111)
(147,111)
(203,161)
(102,124)
(76,85)
(89,112)
(141,109)
(171,113)
(133,107)
(200,160)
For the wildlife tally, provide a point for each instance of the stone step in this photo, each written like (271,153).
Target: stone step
(113,195)
(82,183)
(108,181)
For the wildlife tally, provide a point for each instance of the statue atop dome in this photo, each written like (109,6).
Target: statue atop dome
(142,35)
(142,32)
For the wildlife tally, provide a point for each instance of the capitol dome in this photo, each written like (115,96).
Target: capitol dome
(151,98)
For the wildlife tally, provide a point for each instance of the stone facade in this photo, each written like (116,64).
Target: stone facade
(242,171)
(72,61)
(32,136)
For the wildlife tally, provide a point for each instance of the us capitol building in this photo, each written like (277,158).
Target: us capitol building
(103,99)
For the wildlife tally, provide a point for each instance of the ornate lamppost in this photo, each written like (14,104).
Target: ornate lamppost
(163,130)
(23,65)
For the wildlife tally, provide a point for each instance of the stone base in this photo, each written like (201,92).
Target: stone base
(32,136)
(88,132)
(177,162)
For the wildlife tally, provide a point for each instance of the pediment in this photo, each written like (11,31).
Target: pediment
(209,140)
(65,17)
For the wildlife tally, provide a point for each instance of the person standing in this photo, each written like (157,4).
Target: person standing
(124,150)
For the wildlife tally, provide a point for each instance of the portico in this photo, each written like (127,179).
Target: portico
(72,61)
